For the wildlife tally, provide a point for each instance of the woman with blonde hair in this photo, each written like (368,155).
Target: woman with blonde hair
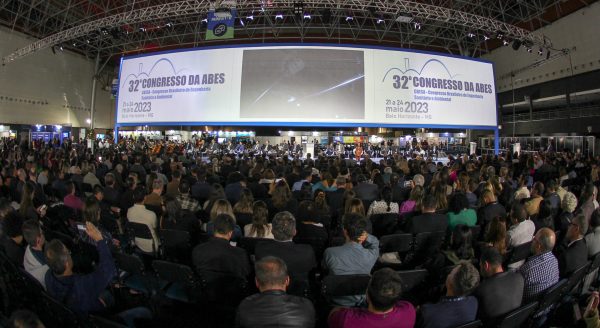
(355,206)
(281,199)
(222,206)
(244,207)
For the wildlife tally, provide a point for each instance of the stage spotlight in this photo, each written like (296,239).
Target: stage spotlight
(307,16)
(61,48)
(169,24)
(349,18)
(242,21)
(529,50)
(205,21)
(417,26)
(505,42)
(379,21)
(279,16)
(485,37)
(298,8)
(499,35)
(516,44)
(250,18)
(540,51)
(471,35)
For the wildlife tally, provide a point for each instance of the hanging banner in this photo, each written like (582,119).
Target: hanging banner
(220,24)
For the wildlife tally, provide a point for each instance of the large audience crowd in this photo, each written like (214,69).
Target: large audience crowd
(277,240)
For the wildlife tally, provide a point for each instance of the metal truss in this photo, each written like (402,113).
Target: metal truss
(101,26)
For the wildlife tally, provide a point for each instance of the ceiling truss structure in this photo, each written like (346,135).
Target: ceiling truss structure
(114,27)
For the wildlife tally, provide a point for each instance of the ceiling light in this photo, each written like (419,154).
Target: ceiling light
(379,21)
(349,18)
(307,16)
(471,35)
(417,26)
(505,42)
(279,16)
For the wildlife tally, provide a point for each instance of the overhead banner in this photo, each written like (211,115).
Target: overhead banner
(220,24)
(307,85)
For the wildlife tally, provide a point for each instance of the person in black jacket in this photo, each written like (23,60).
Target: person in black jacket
(429,221)
(572,252)
(273,307)
(500,292)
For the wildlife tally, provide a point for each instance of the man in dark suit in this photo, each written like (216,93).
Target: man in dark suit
(500,292)
(201,189)
(366,191)
(217,255)
(111,194)
(336,198)
(490,210)
(429,221)
(299,258)
(572,252)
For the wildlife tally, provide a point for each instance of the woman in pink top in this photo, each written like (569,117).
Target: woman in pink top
(413,202)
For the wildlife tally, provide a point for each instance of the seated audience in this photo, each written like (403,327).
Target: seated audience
(356,256)
(34,261)
(85,294)
(457,307)
(460,213)
(299,258)
(592,239)
(273,307)
(540,271)
(500,291)
(429,220)
(260,226)
(11,240)
(384,306)
(572,252)
(384,204)
(139,214)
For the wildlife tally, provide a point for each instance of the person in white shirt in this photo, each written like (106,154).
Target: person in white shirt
(139,214)
(521,231)
(34,260)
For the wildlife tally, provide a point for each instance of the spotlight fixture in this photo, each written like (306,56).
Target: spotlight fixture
(529,50)
(298,8)
(516,44)
(485,37)
(540,51)
(142,29)
(169,24)
(242,21)
(61,48)
(499,35)
(379,21)
(417,26)
(279,16)
(349,18)
(471,35)
(505,42)
(205,21)
(250,18)
(307,16)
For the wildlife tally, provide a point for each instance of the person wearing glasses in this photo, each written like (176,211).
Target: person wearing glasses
(572,252)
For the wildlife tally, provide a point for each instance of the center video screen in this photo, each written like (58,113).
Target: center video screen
(303,84)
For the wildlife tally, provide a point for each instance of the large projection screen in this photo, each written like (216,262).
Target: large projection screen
(306,85)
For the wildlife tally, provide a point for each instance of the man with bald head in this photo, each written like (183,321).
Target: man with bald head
(540,271)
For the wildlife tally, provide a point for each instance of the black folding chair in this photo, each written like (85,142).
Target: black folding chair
(142,231)
(183,284)
(175,245)
(54,314)
(550,297)
(518,253)
(518,317)
(135,275)
(344,285)
(249,244)
(427,243)
(576,278)
(412,279)
(400,243)
(384,224)
(472,324)
(222,289)
(592,274)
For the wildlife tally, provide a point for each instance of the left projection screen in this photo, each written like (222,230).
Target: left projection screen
(305,85)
